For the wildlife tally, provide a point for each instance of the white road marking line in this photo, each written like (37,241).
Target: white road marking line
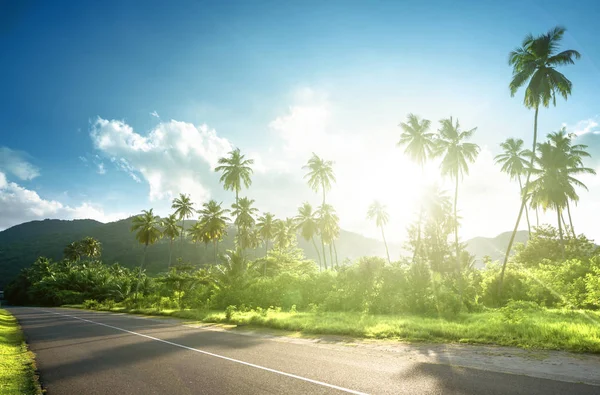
(347,390)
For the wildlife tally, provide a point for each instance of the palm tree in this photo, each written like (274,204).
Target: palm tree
(285,233)
(198,233)
(236,171)
(91,247)
(244,216)
(171,230)
(266,229)
(147,231)
(419,144)
(320,175)
(73,251)
(534,64)
(456,156)
(184,208)
(329,227)
(554,169)
(307,223)
(514,163)
(377,212)
(214,218)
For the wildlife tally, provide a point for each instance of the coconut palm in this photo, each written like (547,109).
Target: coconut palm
(514,163)
(534,64)
(244,213)
(266,229)
(328,222)
(307,223)
(378,212)
(147,231)
(236,171)
(285,233)
(456,156)
(198,233)
(215,219)
(419,144)
(73,252)
(171,230)
(320,176)
(184,208)
(91,247)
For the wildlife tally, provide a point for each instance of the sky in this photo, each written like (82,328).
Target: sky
(108,108)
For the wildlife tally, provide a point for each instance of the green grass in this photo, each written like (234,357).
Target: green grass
(17,367)
(544,329)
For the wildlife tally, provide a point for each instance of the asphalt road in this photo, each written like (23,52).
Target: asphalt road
(81,352)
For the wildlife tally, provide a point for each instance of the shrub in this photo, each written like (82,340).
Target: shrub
(91,304)
(229,312)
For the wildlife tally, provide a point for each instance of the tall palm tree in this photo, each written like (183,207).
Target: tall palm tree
(236,171)
(198,233)
(215,219)
(320,176)
(456,156)
(184,208)
(244,213)
(91,247)
(171,230)
(419,145)
(378,212)
(147,231)
(266,229)
(514,163)
(329,227)
(285,233)
(306,221)
(534,64)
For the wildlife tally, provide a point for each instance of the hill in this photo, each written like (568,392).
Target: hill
(494,247)
(22,244)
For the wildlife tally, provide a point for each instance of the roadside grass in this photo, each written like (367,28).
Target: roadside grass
(17,366)
(544,329)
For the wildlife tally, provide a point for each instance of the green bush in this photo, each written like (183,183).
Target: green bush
(91,304)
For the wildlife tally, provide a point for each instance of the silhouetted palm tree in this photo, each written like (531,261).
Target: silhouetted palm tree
(377,212)
(171,230)
(534,64)
(147,231)
(73,251)
(329,227)
(214,219)
(236,171)
(456,156)
(307,224)
(184,208)
(266,229)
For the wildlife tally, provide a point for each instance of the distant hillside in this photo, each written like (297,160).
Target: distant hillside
(22,244)
(495,247)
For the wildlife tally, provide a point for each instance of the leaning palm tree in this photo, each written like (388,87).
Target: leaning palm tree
(320,176)
(266,229)
(456,156)
(306,221)
(534,64)
(184,208)
(215,219)
(514,163)
(147,231)
(419,144)
(171,230)
(236,171)
(378,212)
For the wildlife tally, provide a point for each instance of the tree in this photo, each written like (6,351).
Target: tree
(236,171)
(534,64)
(171,230)
(457,154)
(306,221)
(377,212)
(184,208)
(266,229)
(285,233)
(320,176)
(514,163)
(73,251)
(329,227)
(419,145)
(147,231)
(244,220)
(214,219)
(554,184)
(198,233)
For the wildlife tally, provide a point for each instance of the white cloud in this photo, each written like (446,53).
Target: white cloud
(101,169)
(18,205)
(172,158)
(590,125)
(155,114)
(13,162)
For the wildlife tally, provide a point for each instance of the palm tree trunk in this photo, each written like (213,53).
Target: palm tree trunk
(323,187)
(387,252)
(317,250)
(170,252)
(523,200)
(181,237)
(216,245)
(137,285)
(571,219)
(331,256)
(537,217)
(418,244)
(565,227)
(456,224)
(560,229)
(526,210)
(336,255)
(324,257)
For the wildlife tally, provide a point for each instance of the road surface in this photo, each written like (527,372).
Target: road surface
(83,352)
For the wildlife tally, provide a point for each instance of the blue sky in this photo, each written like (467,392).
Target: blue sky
(259,74)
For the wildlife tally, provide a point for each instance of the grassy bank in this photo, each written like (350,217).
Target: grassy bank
(555,329)
(17,368)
